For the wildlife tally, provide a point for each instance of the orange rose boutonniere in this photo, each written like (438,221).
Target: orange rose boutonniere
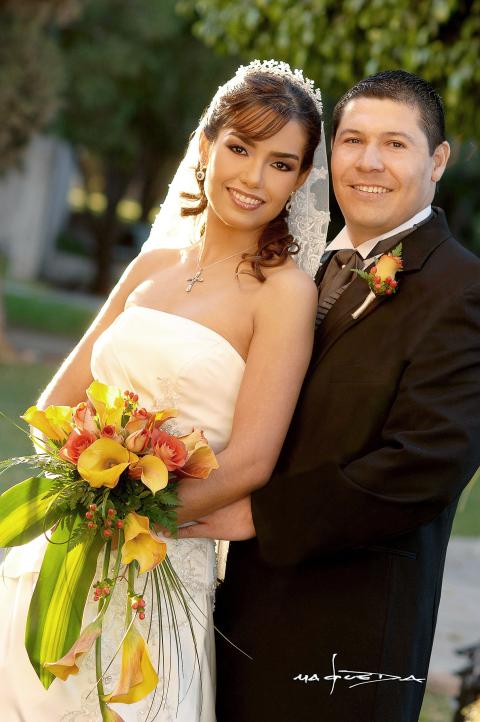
(381,278)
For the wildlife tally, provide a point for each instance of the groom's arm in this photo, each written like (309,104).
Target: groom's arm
(430,449)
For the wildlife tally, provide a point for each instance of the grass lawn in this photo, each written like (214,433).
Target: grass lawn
(43,309)
(20,387)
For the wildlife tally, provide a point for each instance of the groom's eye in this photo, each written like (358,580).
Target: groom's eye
(397,144)
(352,140)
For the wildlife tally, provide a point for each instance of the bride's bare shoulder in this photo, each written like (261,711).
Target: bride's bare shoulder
(288,281)
(151,261)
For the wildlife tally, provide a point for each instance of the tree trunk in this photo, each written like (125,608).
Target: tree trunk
(106,229)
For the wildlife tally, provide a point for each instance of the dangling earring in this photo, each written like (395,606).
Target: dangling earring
(200,174)
(288,204)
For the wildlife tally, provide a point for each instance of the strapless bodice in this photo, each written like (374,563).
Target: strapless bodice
(172,361)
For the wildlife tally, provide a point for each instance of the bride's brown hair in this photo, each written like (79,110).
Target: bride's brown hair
(258,105)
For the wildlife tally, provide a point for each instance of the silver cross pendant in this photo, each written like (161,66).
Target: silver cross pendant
(195,279)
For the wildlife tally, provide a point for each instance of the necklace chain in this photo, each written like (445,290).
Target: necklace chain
(197,276)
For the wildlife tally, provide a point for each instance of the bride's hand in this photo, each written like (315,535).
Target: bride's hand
(232,523)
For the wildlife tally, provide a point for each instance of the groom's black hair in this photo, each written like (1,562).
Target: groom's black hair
(403,87)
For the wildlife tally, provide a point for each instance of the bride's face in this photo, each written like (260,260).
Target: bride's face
(249,181)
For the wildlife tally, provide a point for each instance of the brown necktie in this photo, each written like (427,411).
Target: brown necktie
(336,279)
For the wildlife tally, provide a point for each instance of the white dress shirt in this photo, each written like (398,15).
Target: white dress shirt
(343,240)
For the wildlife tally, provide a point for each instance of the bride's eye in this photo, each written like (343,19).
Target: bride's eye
(238,149)
(281,165)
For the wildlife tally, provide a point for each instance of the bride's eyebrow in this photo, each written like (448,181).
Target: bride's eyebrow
(249,141)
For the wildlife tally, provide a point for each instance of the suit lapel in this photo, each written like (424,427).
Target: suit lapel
(416,248)
(323,266)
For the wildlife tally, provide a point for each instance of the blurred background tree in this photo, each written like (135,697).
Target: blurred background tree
(137,82)
(32,74)
(337,42)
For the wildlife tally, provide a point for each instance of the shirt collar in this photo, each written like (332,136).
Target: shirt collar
(342,241)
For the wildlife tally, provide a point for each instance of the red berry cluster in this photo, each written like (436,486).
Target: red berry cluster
(387,286)
(138,603)
(102,589)
(130,398)
(94,519)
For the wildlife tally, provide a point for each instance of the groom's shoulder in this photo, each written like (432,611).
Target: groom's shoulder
(449,257)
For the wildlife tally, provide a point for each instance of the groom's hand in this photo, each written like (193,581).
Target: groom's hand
(232,523)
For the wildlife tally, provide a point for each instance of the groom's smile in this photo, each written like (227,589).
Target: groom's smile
(382,169)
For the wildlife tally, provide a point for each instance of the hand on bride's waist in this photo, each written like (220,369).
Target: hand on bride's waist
(231,523)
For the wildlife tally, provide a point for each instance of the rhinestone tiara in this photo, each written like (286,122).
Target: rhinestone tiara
(282,69)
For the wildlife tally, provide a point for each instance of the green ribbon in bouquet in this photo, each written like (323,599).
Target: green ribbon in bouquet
(56,609)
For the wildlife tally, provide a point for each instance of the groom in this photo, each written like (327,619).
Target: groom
(336,597)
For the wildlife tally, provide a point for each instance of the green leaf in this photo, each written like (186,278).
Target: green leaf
(56,609)
(24,511)
(362,274)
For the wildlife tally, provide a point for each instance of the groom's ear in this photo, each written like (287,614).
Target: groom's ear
(441,155)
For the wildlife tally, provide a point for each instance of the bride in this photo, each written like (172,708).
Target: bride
(215,317)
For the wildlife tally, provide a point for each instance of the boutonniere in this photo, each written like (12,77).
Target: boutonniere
(381,277)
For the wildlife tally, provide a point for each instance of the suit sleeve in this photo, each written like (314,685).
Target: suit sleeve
(430,448)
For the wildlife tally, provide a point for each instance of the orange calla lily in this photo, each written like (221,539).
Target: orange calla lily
(103,462)
(69,664)
(141,544)
(154,472)
(201,460)
(109,403)
(137,675)
(55,422)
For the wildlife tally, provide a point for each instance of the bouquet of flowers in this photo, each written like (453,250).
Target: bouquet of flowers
(109,472)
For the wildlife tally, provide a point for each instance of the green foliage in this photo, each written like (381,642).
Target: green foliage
(127,94)
(31,69)
(339,41)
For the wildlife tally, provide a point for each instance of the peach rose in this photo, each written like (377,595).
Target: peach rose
(84,417)
(138,441)
(138,420)
(76,443)
(110,432)
(169,449)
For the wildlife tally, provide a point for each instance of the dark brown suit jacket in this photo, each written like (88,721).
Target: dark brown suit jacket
(353,526)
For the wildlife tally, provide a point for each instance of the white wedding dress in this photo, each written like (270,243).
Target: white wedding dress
(170,361)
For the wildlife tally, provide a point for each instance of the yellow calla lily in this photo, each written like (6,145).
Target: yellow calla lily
(154,472)
(141,544)
(137,675)
(55,422)
(69,664)
(103,462)
(109,403)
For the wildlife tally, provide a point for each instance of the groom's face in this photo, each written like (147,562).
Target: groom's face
(382,170)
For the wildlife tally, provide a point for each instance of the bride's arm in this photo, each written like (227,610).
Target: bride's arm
(74,376)
(278,358)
